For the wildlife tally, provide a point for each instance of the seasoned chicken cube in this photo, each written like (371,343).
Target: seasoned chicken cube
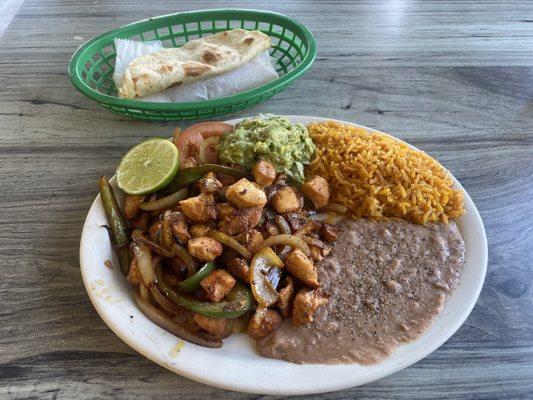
(204,248)
(179,226)
(286,200)
(197,230)
(200,208)
(251,239)
(239,268)
(133,274)
(209,184)
(285,297)
(264,172)
(305,304)
(214,326)
(131,205)
(329,232)
(234,221)
(263,322)
(301,267)
(317,190)
(217,284)
(244,194)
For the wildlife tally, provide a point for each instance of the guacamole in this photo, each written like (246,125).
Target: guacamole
(271,138)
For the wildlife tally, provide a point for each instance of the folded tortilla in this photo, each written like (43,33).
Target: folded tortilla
(196,60)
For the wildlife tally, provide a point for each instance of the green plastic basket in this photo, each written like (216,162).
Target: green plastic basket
(91,67)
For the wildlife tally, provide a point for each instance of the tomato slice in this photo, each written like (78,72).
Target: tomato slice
(192,137)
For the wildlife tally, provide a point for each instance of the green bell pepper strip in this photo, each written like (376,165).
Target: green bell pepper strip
(191,284)
(240,300)
(118,228)
(186,176)
(170,201)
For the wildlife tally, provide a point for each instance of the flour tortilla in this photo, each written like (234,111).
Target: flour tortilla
(196,60)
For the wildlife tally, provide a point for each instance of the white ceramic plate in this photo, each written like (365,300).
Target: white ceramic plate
(237,366)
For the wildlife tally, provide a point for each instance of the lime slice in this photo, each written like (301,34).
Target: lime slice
(148,167)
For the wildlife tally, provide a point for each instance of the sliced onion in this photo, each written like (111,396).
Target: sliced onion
(160,319)
(165,303)
(335,207)
(167,238)
(308,227)
(154,246)
(314,241)
(263,290)
(144,293)
(283,224)
(290,240)
(166,202)
(205,152)
(186,257)
(230,242)
(330,218)
(143,258)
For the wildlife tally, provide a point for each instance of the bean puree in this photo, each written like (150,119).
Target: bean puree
(386,281)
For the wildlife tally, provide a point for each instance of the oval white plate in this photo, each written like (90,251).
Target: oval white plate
(237,366)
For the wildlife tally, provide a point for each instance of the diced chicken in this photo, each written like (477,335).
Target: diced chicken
(329,232)
(133,274)
(286,295)
(197,230)
(234,221)
(200,208)
(214,326)
(317,190)
(244,194)
(209,184)
(286,200)
(141,222)
(305,304)
(131,205)
(188,163)
(204,248)
(251,239)
(263,322)
(217,284)
(301,267)
(239,268)
(264,172)
(179,226)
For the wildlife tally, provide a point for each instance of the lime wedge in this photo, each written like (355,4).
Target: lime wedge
(148,167)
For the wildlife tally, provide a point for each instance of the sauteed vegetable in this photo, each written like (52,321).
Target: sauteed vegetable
(221,246)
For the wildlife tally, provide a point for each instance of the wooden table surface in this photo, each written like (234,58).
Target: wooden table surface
(454,78)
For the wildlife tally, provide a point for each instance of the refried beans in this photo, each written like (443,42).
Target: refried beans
(386,280)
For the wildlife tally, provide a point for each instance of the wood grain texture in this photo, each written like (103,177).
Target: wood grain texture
(454,78)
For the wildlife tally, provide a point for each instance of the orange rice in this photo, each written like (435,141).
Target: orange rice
(376,176)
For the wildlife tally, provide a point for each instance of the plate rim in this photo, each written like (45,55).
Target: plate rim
(321,387)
